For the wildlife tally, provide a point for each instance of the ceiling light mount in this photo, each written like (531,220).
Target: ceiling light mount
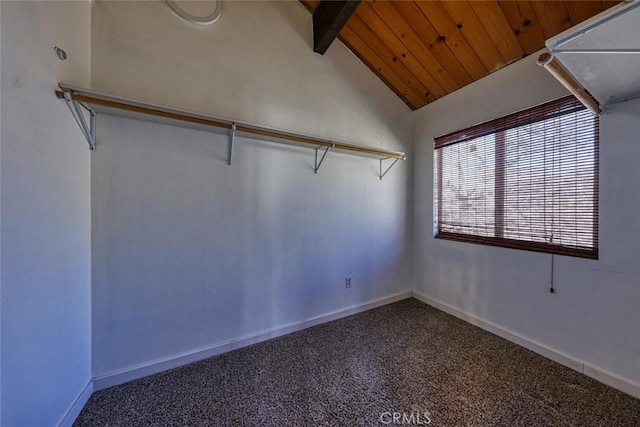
(202,12)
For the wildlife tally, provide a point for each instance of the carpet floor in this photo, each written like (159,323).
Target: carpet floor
(405,360)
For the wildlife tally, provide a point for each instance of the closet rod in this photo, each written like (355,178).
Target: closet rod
(84,96)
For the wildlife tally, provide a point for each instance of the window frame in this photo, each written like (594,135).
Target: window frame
(499,127)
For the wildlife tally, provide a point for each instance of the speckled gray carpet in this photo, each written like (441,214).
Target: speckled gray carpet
(407,358)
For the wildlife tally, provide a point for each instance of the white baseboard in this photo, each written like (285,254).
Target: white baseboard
(130,374)
(627,386)
(622,384)
(76,407)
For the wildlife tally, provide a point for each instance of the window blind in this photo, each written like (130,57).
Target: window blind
(528,180)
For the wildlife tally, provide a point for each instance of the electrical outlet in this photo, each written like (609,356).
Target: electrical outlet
(347,282)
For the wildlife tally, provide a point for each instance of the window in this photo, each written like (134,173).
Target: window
(526,181)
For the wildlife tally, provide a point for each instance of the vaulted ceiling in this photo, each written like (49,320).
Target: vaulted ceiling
(424,50)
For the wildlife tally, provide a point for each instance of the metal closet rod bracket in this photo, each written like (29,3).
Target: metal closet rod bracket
(232,140)
(88,130)
(382,174)
(326,150)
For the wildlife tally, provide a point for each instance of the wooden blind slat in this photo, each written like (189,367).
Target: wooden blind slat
(539,113)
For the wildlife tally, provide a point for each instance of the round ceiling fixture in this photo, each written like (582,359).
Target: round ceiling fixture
(200,12)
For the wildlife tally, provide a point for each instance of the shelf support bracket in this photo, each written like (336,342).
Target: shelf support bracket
(88,130)
(326,150)
(382,174)
(232,140)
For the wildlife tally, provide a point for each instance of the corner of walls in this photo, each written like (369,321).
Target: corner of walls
(45,368)
(78,404)
(411,206)
(623,384)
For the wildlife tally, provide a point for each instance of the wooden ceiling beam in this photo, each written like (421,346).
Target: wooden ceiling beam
(328,19)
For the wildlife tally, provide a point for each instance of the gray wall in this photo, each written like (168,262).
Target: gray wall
(188,252)
(46,217)
(593,317)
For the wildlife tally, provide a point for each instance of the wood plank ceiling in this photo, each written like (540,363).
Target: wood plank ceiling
(424,50)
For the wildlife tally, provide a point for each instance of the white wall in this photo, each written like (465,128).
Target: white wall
(45,195)
(593,317)
(189,252)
